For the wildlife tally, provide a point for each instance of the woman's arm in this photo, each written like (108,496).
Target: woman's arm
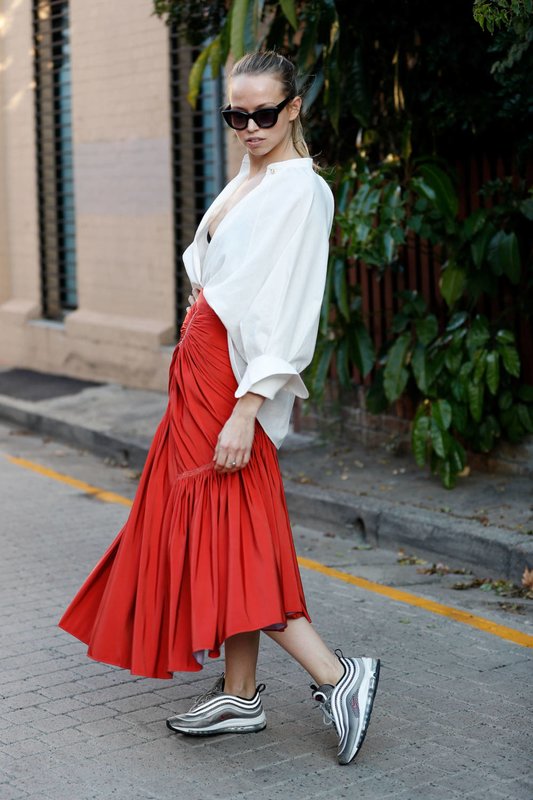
(236,437)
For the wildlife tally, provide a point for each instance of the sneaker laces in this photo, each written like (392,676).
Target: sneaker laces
(324,703)
(215,690)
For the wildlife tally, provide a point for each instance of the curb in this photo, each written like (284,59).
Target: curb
(492,551)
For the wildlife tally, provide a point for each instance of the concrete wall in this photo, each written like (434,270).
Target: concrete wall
(123,197)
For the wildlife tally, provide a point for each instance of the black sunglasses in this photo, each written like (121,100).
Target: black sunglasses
(263,118)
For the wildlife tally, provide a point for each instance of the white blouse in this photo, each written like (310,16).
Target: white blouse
(263,274)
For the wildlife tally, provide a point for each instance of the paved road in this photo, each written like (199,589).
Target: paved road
(451,719)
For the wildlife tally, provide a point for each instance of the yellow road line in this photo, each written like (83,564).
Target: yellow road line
(502,631)
(398,595)
(100,494)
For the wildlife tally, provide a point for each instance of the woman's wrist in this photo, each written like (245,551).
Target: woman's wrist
(249,404)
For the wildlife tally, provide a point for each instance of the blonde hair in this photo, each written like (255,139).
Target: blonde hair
(269,62)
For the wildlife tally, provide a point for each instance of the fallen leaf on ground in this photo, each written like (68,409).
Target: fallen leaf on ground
(406,560)
(527,578)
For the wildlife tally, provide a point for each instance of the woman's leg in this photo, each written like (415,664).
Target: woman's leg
(304,644)
(240,653)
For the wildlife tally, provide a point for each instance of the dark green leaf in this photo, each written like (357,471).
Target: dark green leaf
(459,417)
(505,400)
(479,365)
(323,361)
(446,199)
(525,416)
(419,439)
(343,369)
(475,223)
(505,337)
(492,374)
(427,328)
(457,456)
(511,360)
(196,75)
(419,367)
(238,13)
(437,439)
(362,349)
(526,207)
(452,283)
(376,401)
(340,287)
(507,256)
(289,9)
(448,474)
(478,335)
(453,359)
(456,320)
(479,245)
(399,323)
(396,376)
(441,412)
(475,400)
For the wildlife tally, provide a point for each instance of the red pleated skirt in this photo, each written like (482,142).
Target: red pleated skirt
(203,555)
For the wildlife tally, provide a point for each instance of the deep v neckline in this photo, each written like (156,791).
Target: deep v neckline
(211,236)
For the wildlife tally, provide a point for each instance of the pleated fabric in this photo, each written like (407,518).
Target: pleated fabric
(203,555)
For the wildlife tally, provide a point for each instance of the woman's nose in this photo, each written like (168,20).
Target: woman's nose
(254,126)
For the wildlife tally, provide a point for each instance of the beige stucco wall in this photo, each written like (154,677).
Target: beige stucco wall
(125,322)
(19,282)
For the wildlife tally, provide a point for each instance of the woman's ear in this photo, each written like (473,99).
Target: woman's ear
(294,108)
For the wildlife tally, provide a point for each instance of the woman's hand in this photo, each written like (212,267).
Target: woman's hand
(192,298)
(235,440)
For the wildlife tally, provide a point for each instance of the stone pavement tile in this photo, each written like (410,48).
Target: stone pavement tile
(101,727)
(135,702)
(426,791)
(65,689)
(56,722)
(15,733)
(91,713)
(146,715)
(26,715)
(28,747)
(112,694)
(22,700)
(8,792)
(507,791)
(64,705)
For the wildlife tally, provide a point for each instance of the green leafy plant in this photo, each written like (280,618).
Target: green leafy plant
(462,370)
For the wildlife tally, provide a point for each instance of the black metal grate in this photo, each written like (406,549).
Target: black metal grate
(197,155)
(55,183)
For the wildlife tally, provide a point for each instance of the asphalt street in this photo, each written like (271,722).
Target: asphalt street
(452,717)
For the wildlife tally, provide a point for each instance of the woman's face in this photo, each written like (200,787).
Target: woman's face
(252,92)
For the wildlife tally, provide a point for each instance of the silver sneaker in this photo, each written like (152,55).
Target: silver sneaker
(218,712)
(349,703)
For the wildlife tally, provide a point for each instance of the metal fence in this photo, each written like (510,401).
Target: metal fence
(55,182)
(197,155)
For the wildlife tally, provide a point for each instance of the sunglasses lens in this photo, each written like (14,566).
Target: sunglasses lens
(236,119)
(266,117)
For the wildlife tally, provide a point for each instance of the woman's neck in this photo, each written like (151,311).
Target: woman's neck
(259,164)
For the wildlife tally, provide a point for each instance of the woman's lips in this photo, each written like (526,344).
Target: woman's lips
(253,140)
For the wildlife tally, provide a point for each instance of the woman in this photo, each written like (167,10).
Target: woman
(206,556)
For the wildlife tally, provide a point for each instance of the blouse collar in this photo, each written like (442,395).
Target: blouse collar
(276,166)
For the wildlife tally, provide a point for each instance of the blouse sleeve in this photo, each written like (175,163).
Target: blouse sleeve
(278,331)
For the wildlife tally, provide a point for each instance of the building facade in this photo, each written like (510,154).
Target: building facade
(105,171)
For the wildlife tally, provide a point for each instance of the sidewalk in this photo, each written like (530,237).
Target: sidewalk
(369,495)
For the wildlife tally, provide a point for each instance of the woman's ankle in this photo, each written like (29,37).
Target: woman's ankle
(243,688)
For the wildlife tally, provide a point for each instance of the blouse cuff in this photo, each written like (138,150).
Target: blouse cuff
(266,375)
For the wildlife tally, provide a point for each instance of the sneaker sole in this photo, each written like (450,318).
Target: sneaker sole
(224,726)
(372,688)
